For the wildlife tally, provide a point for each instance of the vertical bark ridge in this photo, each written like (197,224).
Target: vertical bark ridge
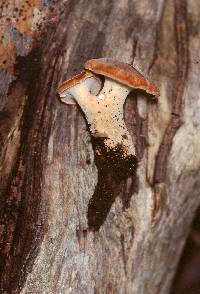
(182,57)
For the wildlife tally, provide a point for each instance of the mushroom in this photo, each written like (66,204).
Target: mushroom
(78,88)
(103,106)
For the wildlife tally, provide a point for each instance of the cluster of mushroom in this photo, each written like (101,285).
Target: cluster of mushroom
(101,91)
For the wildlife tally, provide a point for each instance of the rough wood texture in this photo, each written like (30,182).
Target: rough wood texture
(48,172)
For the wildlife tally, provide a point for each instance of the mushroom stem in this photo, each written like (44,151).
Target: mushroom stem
(114,91)
(104,113)
(110,116)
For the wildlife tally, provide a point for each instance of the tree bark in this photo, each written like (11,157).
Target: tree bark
(47,167)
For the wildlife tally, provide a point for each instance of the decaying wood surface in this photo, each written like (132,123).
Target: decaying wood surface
(47,169)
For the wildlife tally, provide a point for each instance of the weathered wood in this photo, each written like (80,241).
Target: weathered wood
(48,172)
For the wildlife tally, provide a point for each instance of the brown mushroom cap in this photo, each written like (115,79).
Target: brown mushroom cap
(123,73)
(74,81)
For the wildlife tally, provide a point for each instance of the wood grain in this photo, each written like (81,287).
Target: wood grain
(48,172)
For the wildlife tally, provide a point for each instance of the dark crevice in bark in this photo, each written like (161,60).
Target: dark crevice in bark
(122,241)
(20,209)
(135,43)
(129,187)
(182,52)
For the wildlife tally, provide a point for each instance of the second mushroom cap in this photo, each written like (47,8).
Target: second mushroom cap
(123,73)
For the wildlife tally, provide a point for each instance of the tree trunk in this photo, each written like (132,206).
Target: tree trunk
(48,172)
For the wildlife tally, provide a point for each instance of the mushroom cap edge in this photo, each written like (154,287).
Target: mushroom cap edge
(123,73)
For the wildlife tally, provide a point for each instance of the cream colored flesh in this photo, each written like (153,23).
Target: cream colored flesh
(104,113)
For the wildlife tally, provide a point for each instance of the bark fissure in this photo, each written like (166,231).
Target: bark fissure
(182,57)
(20,213)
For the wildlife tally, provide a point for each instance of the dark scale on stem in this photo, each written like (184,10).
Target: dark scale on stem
(113,167)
